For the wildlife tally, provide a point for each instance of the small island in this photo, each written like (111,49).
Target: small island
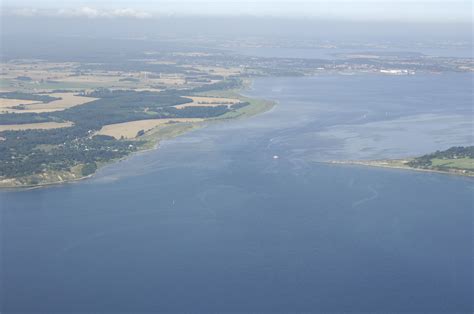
(458,160)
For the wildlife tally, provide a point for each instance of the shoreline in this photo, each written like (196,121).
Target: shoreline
(386,164)
(153,139)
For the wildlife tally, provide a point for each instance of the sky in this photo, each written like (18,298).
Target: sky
(378,10)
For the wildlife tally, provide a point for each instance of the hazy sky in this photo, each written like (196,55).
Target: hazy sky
(413,10)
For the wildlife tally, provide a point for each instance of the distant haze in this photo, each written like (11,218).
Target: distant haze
(374,10)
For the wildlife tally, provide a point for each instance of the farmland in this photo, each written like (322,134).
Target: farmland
(65,101)
(130,130)
(62,121)
(35,126)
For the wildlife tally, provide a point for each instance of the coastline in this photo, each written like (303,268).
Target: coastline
(398,164)
(153,139)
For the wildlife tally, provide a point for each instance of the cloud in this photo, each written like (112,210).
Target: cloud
(130,13)
(103,13)
(87,12)
(25,12)
(365,10)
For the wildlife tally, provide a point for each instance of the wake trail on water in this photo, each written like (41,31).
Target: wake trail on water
(374,195)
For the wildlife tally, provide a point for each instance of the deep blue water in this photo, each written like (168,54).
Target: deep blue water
(211,222)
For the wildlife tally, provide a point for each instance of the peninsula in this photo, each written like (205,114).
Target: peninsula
(62,119)
(455,160)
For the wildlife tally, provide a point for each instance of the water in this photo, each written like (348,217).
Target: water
(212,222)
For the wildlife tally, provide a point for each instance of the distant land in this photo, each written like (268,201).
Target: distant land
(455,160)
(61,121)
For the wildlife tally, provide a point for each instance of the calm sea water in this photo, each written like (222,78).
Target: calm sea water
(212,222)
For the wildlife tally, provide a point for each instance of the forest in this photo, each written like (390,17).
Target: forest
(29,152)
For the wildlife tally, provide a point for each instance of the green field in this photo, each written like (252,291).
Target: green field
(256,106)
(461,163)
